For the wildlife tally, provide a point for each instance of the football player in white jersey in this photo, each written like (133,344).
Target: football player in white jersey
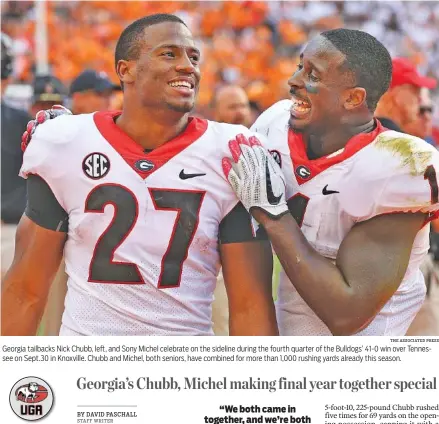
(138,202)
(353,232)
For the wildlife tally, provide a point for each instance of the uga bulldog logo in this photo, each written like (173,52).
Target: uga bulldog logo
(31,393)
(31,398)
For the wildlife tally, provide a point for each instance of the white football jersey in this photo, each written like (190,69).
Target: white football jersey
(376,173)
(142,249)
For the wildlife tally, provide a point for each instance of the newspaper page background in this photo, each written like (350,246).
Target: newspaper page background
(229,380)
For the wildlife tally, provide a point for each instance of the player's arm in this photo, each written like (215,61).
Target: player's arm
(247,269)
(40,239)
(369,268)
(371,261)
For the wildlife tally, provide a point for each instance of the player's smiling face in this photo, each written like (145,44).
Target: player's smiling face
(167,71)
(318,87)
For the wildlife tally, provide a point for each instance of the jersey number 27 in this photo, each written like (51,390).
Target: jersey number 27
(103,268)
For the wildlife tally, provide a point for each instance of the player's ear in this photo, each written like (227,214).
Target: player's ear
(355,97)
(125,70)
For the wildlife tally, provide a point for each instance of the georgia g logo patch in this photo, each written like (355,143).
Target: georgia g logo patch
(31,398)
(96,165)
(303,172)
(144,165)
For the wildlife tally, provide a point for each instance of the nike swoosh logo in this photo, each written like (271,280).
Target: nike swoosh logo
(184,176)
(272,199)
(326,192)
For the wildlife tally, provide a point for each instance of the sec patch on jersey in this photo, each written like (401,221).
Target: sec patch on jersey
(96,165)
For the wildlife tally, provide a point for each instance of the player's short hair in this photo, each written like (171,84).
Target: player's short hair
(367,58)
(128,45)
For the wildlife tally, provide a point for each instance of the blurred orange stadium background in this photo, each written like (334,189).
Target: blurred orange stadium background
(254,44)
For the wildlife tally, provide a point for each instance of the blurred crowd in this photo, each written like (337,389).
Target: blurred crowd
(253,44)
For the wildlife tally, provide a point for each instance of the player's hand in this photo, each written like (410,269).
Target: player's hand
(41,117)
(255,177)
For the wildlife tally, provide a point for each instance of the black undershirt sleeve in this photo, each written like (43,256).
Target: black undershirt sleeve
(236,227)
(42,206)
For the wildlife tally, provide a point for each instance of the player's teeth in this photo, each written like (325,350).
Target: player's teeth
(300,104)
(180,84)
